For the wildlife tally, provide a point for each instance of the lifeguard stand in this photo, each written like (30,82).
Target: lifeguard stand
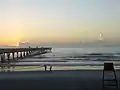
(109,77)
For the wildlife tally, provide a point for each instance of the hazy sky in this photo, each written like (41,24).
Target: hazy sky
(60,21)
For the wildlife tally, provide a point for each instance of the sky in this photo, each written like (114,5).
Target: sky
(58,21)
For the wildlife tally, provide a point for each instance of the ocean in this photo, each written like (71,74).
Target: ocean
(88,56)
(88,50)
(79,52)
(91,56)
(85,57)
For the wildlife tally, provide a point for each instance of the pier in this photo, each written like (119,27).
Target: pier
(12,54)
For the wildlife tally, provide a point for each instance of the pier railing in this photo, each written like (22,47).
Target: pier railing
(10,50)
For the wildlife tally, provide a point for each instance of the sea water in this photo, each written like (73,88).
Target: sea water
(87,57)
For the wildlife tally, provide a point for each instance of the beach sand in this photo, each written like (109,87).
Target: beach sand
(55,80)
(61,78)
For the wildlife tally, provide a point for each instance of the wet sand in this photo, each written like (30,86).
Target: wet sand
(55,80)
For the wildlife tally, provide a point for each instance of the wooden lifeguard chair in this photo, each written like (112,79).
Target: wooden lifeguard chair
(109,77)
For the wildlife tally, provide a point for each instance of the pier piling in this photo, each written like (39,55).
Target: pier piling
(10,53)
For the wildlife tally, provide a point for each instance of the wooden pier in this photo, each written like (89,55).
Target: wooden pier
(16,53)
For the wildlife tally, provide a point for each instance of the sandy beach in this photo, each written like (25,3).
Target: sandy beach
(55,80)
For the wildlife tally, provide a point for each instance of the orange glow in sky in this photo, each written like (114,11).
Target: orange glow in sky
(10,40)
(10,34)
(58,21)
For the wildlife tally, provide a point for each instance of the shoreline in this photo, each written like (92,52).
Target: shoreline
(55,68)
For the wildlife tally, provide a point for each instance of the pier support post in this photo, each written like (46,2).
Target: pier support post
(17,55)
(27,53)
(24,54)
(2,62)
(13,55)
(8,57)
(21,55)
